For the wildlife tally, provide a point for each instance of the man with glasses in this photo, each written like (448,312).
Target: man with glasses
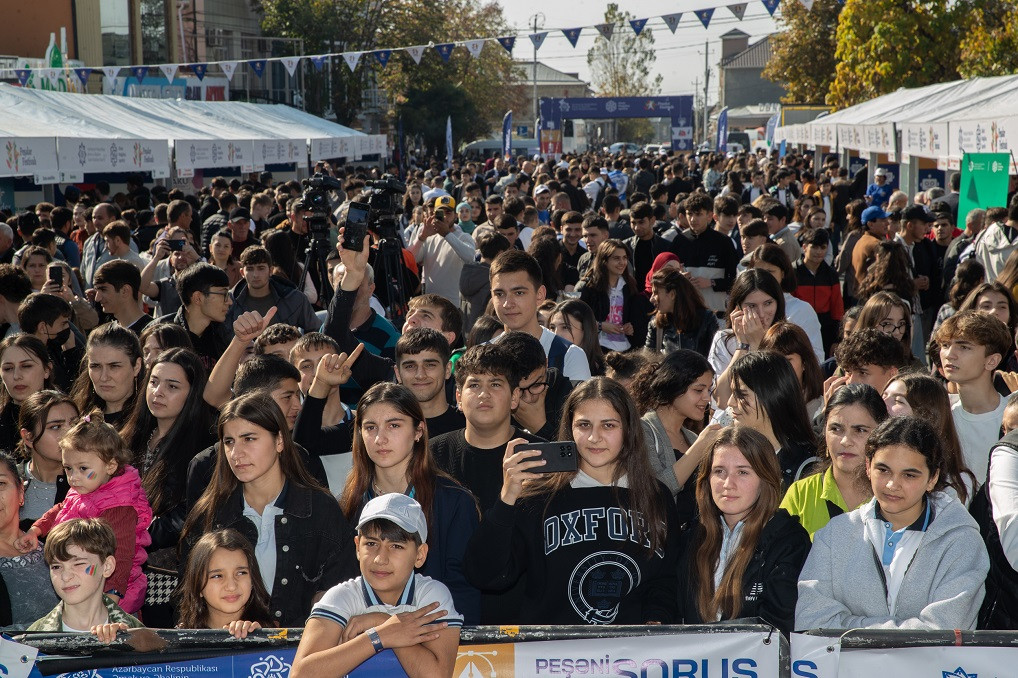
(543,389)
(205,292)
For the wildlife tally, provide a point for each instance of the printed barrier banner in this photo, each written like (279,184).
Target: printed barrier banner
(823,657)
(733,655)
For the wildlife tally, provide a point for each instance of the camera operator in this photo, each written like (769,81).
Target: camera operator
(441,248)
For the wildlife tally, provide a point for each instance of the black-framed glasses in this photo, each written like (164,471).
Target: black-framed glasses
(223,293)
(887,327)
(537,388)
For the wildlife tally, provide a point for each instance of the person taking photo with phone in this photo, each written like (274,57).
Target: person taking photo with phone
(592,550)
(441,248)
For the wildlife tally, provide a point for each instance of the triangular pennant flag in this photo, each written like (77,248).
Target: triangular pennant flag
(23,75)
(738,9)
(319,61)
(416,52)
(111,73)
(704,16)
(606,31)
(474,47)
(351,59)
(382,56)
(808,4)
(83,75)
(638,25)
(139,72)
(572,35)
(169,70)
(258,66)
(228,68)
(771,5)
(290,64)
(538,39)
(508,42)
(50,74)
(200,70)
(672,20)
(445,50)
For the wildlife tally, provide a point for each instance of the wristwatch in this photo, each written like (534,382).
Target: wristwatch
(376,641)
(743,346)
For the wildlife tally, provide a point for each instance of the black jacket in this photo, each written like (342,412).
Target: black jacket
(314,547)
(1000,605)
(770,583)
(634,309)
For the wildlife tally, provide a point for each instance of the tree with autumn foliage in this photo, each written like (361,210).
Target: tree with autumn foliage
(887,44)
(802,53)
(990,45)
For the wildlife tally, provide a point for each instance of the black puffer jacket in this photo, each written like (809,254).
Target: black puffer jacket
(770,583)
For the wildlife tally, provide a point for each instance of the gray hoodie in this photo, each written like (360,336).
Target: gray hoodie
(475,291)
(842,583)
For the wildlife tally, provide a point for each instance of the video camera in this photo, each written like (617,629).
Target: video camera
(384,198)
(316,200)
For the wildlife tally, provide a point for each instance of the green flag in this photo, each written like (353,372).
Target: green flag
(984,180)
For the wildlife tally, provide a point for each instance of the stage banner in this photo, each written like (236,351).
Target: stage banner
(26,156)
(114,155)
(211,153)
(735,655)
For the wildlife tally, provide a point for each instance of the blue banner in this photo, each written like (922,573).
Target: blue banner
(508,42)
(258,66)
(507,135)
(200,70)
(892,174)
(783,149)
(928,178)
(772,124)
(721,143)
(678,108)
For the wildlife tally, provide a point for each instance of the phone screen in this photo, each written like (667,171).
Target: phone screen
(356,228)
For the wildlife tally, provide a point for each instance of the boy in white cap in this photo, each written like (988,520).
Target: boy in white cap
(388,607)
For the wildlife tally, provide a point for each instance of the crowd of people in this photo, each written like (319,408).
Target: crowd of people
(665,389)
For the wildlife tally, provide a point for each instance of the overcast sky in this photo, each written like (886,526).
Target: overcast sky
(680,57)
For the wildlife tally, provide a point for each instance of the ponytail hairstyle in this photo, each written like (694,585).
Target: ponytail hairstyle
(194,611)
(727,598)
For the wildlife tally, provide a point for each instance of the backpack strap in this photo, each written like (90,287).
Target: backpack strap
(557,354)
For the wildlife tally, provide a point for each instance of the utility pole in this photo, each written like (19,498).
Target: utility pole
(538,21)
(706,81)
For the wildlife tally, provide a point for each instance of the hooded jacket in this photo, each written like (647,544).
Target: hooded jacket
(993,248)
(292,305)
(842,585)
(475,291)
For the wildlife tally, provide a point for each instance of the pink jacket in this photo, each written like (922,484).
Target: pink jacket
(122,490)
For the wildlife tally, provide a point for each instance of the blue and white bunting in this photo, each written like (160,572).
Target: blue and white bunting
(258,66)
(23,75)
(416,52)
(382,56)
(290,63)
(771,5)
(474,47)
(83,75)
(445,50)
(672,20)
(808,4)
(704,15)
(319,61)
(738,9)
(538,39)
(111,73)
(508,42)
(351,59)
(169,71)
(139,72)
(572,35)
(200,70)
(638,25)
(228,68)
(606,31)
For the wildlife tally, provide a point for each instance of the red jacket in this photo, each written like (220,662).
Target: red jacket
(822,291)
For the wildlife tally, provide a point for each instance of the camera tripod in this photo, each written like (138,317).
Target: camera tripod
(315,257)
(390,277)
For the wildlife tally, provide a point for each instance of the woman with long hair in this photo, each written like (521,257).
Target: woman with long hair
(790,341)
(754,304)
(157,337)
(609,288)
(548,253)
(889,272)
(391,454)
(839,484)
(889,313)
(221,254)
(262,489)
(528,530)
(683,320)
(969,275)
(285,264)
(1008,276)
(222,586)
(766,396)
(910,558)
(414,197)
(114,374)
(25,368)
(43,420)
(843,262)
(744,556)
(922,396)
(573,320)
(170,424)
(771,258)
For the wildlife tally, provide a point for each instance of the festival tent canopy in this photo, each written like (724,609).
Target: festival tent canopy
(57,135)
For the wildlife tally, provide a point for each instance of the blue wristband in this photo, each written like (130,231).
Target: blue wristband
(376,641)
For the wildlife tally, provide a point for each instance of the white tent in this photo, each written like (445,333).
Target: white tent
(941,122)
(57,136)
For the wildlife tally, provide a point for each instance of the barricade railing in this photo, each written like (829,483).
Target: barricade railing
(728,650)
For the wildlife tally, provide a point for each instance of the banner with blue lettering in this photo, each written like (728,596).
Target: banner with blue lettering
(507,135)
(721,143)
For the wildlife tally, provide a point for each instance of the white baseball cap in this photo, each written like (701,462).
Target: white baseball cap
(399,509)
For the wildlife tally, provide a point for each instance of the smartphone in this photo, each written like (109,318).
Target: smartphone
(55,274)
(176,245)
(558,456)
(356,228)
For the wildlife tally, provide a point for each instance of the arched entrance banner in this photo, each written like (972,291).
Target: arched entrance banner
(555,110)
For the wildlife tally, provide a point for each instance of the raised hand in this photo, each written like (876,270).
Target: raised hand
(335,370)
(250,324)
(516,469)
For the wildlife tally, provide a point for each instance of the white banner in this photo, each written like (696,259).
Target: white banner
(210,153)
(280,151)
(23,156)
(16,659)
(850,137)
(879,138)
(333,147)
(941,662)
(814,656)
(983,136)
(924,140)
(113,155)
(719,654)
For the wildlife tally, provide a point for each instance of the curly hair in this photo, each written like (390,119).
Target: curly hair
(890,271)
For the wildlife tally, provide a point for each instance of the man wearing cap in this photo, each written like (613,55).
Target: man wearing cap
(926,264)
(542,200)
(874,221)
(240,228)
(441,248)
(879,193)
